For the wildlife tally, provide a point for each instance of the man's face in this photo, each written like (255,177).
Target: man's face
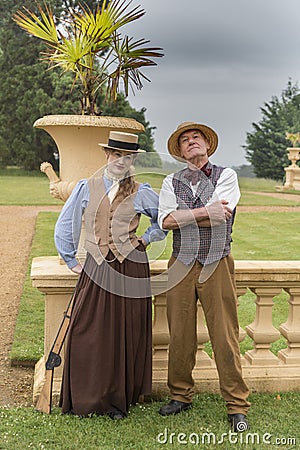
(192,144)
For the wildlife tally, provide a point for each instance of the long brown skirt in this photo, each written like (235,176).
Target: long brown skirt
(108,357)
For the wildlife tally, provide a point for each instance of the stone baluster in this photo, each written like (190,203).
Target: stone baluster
(160,333)
(291,329)
(262,330)
(160,329)
(241,290)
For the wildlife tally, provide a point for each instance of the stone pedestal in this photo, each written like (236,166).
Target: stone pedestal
(292,181)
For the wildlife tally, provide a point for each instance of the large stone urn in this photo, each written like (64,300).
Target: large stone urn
(77,138)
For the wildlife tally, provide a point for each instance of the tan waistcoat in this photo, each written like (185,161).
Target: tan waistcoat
(110,226)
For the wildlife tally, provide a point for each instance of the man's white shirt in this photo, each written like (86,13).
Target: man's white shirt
(227,188)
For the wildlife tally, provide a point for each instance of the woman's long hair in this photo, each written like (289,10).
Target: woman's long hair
(126,185)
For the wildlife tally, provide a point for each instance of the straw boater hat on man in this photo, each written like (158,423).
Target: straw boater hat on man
(210,135)
(126,142)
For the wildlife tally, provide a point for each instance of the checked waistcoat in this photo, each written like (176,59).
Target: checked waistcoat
(191,242)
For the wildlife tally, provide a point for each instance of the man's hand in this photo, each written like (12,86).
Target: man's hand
(206,216)
(77,269)
(218,212)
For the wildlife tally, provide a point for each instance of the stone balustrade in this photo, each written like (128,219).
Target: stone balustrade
(262,369)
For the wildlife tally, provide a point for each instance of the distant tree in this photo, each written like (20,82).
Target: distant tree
(245,170)
(266,145)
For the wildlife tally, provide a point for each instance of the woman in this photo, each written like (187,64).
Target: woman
(109,349)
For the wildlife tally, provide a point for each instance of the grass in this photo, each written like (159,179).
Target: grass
(258,184)
(25,190)
(269,235)
(272,416)
(250,199)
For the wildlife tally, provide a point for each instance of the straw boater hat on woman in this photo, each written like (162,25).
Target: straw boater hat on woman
(126,142)
(210,135)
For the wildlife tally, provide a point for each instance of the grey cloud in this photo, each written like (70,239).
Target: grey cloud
(223,60)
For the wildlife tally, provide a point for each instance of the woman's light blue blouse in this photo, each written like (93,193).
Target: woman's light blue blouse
(68,227)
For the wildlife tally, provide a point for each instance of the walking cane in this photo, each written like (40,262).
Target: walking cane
(44,402)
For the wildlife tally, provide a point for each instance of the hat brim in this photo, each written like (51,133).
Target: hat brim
(105,146)
(209,133)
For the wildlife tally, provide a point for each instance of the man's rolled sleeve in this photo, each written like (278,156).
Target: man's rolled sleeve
(167,200)
(227,188)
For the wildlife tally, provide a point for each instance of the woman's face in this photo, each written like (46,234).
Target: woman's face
(118,162)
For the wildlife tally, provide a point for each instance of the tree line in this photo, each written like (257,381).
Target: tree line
(266,146)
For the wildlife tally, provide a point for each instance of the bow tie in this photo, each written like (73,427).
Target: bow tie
(195,175)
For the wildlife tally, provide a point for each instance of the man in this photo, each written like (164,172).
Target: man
(198,204)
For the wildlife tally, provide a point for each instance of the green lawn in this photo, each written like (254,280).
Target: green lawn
(274,422)
(258,184)
(250,199)
(270,235)
(25,190)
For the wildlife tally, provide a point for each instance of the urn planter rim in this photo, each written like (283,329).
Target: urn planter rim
(89,121)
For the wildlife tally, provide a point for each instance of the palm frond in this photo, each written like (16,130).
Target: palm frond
(130,57)
(117,9)
(70,53)
(106,19)
(44,28)
(95,25)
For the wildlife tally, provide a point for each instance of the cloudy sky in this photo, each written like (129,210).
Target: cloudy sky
(223,60)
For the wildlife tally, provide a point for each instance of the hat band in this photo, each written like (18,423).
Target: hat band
(123,145)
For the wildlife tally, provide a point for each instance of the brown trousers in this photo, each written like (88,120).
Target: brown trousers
(219,302)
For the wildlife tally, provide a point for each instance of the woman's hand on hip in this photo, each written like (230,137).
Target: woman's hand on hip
(77,269)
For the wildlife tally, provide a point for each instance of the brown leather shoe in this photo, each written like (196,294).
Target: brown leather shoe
(174,407)
(238,422)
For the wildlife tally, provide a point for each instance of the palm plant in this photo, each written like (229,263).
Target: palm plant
(88,44)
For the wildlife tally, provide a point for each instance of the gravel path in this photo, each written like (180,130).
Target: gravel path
(17,225)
